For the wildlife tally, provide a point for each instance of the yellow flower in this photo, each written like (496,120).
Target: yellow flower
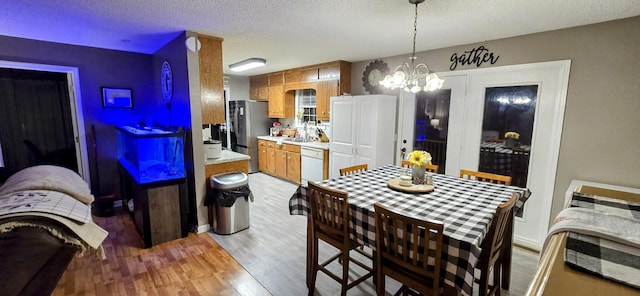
(512,135)
(419,158)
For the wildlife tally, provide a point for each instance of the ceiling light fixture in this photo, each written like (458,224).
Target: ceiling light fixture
(409,77)
(247,64)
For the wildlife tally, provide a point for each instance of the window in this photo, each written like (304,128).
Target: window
(306,106)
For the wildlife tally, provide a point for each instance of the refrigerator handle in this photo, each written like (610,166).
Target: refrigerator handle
(235,120)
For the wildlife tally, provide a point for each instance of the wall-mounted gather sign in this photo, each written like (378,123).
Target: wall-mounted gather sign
(478,56)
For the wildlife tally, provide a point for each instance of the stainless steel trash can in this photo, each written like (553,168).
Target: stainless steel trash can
(230,199)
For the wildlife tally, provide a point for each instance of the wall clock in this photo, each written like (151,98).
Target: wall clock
(166,80)
(372,75)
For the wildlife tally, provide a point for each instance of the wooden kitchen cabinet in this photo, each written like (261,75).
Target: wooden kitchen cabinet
(271,158)
(262,155)
(259,87)
(281,104)
(329,79)
(324,91)
(293,164)
(211,82)
(301,75)
(282,161)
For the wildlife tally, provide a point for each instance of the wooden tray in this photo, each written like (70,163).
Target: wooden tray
(395,184)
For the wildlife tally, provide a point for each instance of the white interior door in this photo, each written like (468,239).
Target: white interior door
(465,128)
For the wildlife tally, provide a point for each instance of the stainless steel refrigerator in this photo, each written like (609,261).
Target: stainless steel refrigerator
(249,119)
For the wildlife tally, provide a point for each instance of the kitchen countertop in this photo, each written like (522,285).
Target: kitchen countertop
(227,156)
(317,145)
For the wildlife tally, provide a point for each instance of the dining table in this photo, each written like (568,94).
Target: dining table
(465,207)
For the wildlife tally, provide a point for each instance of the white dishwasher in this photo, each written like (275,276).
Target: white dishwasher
(312,162)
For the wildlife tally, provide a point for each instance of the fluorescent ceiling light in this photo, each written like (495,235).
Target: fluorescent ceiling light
(247,64)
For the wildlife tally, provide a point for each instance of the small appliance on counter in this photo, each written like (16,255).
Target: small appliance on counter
(212,149)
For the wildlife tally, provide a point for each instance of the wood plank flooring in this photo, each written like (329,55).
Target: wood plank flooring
(266,259)
(195,265)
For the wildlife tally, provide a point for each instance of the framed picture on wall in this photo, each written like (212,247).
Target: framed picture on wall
(116,98)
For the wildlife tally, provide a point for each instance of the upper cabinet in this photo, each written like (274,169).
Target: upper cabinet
(300,75)
(211,81)
(328,79)
(325,90)
(259,88)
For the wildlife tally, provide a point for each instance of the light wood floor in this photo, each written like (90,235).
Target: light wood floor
(273,248)
(266,259)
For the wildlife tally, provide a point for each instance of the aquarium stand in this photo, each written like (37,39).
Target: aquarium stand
(154,207)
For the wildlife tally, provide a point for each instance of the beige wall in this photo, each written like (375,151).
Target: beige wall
(601,132)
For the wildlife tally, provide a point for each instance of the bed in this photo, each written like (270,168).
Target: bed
(45,221)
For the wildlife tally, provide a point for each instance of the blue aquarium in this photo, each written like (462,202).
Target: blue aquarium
(151,154)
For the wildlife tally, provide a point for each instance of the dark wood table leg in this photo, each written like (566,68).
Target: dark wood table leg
(507,250)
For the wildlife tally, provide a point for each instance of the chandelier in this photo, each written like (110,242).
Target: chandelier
(410,77)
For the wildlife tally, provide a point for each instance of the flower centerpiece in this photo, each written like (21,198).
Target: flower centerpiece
(510,139)
(419,159)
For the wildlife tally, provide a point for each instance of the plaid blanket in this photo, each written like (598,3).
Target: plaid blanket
(602,257)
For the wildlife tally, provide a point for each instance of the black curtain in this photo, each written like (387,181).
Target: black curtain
(35,107)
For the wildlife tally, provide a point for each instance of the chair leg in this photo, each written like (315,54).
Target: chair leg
(314,271)
(345,272)
(484,281)
(496,279)
(379,282)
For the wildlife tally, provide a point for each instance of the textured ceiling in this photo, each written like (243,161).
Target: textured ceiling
(296,33)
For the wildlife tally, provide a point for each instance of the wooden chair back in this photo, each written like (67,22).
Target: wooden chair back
(432,168)
(485,177)
(352,170)
(492,247)
(400,255)
(329,214)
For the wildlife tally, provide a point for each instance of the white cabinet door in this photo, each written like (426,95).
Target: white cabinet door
(342,146)
(362,131)
(365,151)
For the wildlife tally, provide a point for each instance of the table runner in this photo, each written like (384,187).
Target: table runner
(602,257)
(466,208)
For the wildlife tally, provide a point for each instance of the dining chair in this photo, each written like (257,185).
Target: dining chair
(492,249)
(488,160)
(519,166)
(432,168)
(485,177)
(330,223)
(352,170)
(400,255)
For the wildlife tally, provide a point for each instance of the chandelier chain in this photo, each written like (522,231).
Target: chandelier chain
(415,32)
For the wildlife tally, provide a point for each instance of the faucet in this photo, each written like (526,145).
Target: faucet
(306,132)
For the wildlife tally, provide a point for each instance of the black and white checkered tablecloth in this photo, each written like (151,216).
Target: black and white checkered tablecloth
(600,256)
(466,208)
(503,156)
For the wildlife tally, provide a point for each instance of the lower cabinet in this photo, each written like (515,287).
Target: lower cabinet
(293,166)
(262,155)
(282,161)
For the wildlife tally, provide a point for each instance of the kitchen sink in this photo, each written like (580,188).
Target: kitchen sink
(300,140)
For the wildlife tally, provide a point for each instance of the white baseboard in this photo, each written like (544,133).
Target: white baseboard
(526,243)
(203,228)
